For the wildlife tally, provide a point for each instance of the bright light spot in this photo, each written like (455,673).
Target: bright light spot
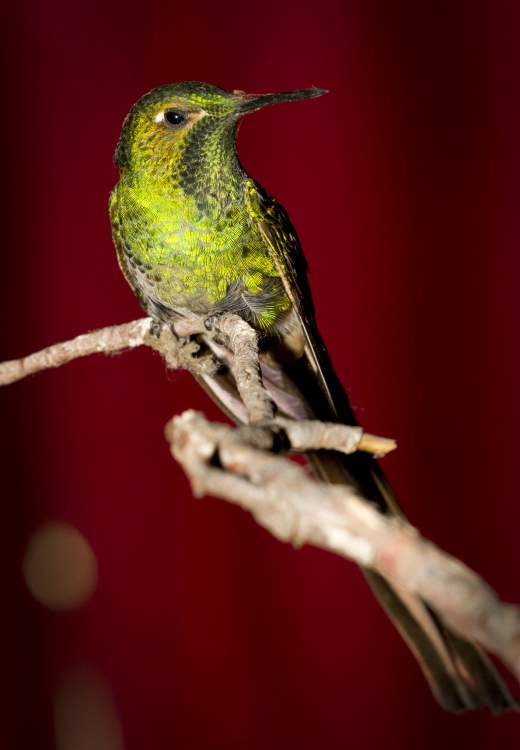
(85,717)
(59,567)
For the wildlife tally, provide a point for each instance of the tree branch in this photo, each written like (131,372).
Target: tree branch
(281,495)
(242,341)
(109,340)
(295,508)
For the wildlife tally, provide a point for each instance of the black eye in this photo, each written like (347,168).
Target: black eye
(174,117)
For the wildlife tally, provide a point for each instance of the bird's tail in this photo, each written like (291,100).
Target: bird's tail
(459,673)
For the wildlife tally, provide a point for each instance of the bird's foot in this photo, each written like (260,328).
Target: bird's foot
(181,339)
(156,328)
(211,325)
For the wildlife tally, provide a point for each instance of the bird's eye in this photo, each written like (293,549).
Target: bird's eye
(174,117)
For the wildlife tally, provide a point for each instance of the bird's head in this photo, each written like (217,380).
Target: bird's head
(162,123)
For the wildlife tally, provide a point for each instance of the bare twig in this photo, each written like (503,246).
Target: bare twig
(108,341)
(282,497)
(311,434)
(285,500)
(189,326)
(243,342)
(181,355)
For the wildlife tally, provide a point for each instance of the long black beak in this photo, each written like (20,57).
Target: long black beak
(250,103)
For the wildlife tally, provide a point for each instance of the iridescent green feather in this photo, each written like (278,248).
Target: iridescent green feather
(187,238)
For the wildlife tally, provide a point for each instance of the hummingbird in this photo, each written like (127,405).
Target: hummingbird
(195,234)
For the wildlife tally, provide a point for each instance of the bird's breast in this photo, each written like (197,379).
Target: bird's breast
(185,258)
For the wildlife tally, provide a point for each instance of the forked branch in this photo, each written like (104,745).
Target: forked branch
(281,495)
(293,507)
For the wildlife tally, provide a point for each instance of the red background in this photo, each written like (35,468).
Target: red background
(404,185)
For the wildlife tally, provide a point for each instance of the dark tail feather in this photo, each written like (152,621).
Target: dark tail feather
(460,675)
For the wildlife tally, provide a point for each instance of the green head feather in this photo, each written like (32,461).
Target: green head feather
(185,211)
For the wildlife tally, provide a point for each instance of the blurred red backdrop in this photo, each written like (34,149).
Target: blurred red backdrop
(403,184)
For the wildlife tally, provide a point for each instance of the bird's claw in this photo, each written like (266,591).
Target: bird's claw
(156,328)
(211,325)
(183,340)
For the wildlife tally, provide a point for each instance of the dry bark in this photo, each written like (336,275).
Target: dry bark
(293,507)
(281,495)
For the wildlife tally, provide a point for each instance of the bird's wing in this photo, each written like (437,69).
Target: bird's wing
(283,245)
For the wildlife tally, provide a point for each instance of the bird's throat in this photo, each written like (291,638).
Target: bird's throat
(209,169)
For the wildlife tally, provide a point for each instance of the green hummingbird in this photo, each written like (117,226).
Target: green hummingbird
(195,234)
